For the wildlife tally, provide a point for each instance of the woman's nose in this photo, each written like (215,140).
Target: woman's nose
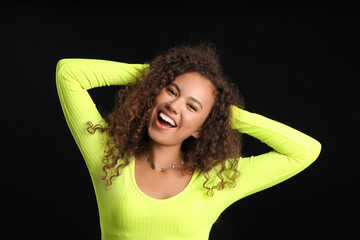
(173,106)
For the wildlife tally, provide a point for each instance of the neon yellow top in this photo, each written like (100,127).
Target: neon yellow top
(125,211)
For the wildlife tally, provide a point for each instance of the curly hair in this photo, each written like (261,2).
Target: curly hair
(218,145)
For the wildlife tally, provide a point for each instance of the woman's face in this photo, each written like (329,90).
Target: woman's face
(180,109)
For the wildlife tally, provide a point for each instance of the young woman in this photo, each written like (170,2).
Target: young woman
(166,162)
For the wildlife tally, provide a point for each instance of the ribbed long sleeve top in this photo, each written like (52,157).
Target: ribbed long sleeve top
(125,211)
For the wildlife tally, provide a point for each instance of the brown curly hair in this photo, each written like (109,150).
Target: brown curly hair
(218,146)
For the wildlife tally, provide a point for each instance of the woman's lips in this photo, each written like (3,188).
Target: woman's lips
(165,121)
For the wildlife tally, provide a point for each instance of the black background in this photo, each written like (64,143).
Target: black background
(296,63)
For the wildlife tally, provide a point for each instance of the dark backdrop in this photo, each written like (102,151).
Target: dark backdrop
(295,63)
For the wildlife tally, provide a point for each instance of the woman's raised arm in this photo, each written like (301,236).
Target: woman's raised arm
(73,78)
(293,152)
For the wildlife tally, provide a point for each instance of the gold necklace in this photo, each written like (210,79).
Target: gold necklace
(163,169)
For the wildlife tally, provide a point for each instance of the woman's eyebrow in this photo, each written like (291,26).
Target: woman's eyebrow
(197,101)
(176,86)
(191,98)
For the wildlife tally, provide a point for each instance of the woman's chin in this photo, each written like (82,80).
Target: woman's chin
(164,137)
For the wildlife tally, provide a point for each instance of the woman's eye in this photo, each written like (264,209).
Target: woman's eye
(192,107)
(171,92)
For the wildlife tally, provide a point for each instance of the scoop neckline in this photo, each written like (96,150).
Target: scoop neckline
(133,179)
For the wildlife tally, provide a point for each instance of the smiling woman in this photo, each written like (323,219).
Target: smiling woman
(171,141)
(185,86)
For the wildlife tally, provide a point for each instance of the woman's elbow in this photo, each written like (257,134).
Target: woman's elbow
(314,150)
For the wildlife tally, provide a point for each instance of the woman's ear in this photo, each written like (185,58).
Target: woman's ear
(196,134)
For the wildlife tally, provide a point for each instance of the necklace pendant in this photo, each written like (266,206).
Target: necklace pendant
(162,169)
(172,165)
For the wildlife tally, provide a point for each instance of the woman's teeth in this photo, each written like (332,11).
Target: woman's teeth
(167,119)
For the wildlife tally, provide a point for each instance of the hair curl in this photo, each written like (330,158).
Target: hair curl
(218,146)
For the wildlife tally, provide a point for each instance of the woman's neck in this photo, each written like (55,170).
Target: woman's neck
(163,155)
